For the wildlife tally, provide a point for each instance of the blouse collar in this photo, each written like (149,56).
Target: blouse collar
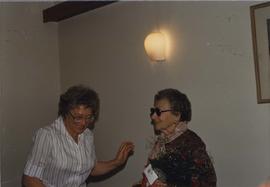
(179,129)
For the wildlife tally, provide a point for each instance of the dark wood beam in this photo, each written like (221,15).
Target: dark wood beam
(68,9)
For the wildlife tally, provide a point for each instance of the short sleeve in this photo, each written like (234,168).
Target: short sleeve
(38,156)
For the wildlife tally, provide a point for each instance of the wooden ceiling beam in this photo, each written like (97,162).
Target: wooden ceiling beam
(69,9)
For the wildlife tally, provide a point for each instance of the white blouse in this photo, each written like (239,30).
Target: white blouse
(58,160)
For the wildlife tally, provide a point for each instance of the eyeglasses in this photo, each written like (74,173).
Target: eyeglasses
(158,111)
(89,119)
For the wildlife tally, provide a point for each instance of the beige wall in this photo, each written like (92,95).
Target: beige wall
(29,82)
(211,61)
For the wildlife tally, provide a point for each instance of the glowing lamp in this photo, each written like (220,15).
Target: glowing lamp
(155,46)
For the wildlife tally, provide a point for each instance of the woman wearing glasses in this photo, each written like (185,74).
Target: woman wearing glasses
(63,154)
(179,156)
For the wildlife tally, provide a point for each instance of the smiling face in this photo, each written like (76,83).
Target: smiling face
(167,121)
(78,120)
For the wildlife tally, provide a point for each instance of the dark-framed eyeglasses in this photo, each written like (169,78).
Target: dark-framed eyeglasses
(76,119)
(158,111)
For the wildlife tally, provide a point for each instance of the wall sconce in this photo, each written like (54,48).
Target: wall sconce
(155,46)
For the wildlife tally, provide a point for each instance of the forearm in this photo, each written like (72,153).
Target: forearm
(103,167)
(32,182)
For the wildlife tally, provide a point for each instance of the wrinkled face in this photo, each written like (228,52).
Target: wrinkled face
(167,119)
(78,119)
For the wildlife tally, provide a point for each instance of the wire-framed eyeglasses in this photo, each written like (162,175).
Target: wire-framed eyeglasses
(78,119)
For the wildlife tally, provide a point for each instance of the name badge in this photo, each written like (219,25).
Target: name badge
(150,174)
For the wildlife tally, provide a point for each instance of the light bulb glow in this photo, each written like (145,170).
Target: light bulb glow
(155,46)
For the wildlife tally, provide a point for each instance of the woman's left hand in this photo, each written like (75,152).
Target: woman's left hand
(103,167)
(125,150)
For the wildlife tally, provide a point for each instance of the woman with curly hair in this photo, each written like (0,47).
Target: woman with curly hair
(63,154)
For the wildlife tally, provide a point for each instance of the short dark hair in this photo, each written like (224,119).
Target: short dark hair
(179,102)
(78,95)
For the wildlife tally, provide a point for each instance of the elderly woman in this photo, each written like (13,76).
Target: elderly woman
(179,156)
(63,154)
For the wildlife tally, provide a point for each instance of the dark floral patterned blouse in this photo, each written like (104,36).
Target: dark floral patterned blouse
(191,147)
(186,163)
